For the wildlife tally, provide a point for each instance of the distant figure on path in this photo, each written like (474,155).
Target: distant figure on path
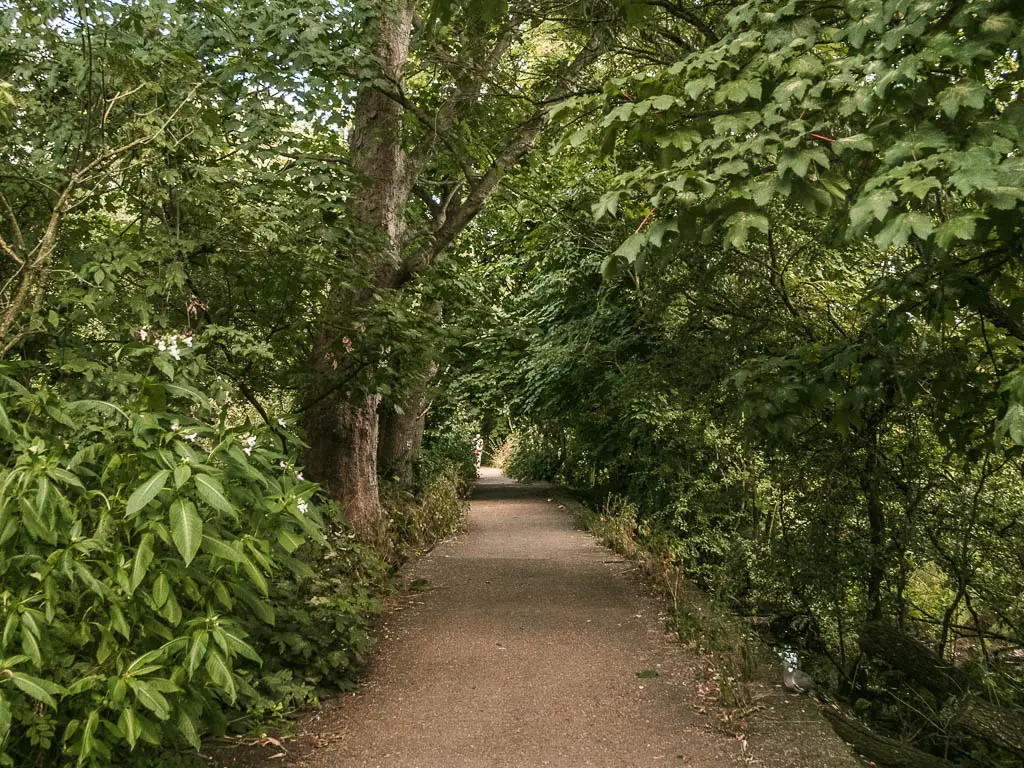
(478,449)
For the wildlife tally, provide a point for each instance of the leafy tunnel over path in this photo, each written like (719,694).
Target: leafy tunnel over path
(746,274)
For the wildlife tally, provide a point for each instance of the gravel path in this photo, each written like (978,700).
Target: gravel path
(524,651)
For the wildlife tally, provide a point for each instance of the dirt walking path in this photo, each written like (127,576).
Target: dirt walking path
(524,651)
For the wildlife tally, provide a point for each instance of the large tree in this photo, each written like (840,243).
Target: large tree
(448,108)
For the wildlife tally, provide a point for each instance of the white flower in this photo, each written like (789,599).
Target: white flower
(303,507)
(175,427)
(247,451)
(143,333)
(281,423)
(161,346)
(187,340)
(250,441)
(191,437)
(282,465)
(298,476)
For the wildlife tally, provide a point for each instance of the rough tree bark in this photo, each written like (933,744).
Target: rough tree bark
(881,749)
(401,432)
(342,426)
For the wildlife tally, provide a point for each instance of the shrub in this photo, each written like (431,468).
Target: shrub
(532,456)
(419,520)
(151,559)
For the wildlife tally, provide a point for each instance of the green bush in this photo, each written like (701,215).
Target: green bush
(533,456)
(152,558)
(448,447)
(421,519)
(321,634)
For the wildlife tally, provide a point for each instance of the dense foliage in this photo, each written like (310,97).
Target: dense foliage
(172,202)
(760,287)
(789,336)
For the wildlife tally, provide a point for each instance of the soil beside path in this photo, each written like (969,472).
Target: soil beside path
(524,651)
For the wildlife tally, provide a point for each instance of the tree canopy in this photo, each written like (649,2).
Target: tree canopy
(748,274)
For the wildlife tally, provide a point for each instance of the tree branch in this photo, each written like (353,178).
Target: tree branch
(521,143)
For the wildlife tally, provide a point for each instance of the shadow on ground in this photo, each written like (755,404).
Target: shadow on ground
(506,491)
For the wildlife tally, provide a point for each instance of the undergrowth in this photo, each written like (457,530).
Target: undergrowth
(421,518)
(697,620)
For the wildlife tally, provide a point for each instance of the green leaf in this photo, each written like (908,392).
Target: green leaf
(63,476)
(221,549)
(799,161)
(5,424)
(146,492)
(261,608)
(857,143)
(738,227)
(164,366)
(182,473)
(91,724)
(289,541)
(646,674)
(220,673)
(100,406)
(143,557)
(197,651)
(130,726)
(738,91)
(186,528)
(34,522)
(870,206)
(212,492)
(187,728)
(83,684)
(30,646)
(966,93)
(171,611)
(10,627)
(150,698)
(183,390)
(161,590)
(117,621)
(630,248)
(5,721)
(697,86)
(919,187)
(608,203)
(957,228)
(897,233)
(255,576)
(661,102)
(40,690)
(237,645)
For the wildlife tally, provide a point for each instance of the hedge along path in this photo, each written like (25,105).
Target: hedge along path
(524,651)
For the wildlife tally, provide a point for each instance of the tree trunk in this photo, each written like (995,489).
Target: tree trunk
(342,457)
(878,527)
(897,650)
(347,467)
(881,749)
(1000,726)
(342,426)
(401,434)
